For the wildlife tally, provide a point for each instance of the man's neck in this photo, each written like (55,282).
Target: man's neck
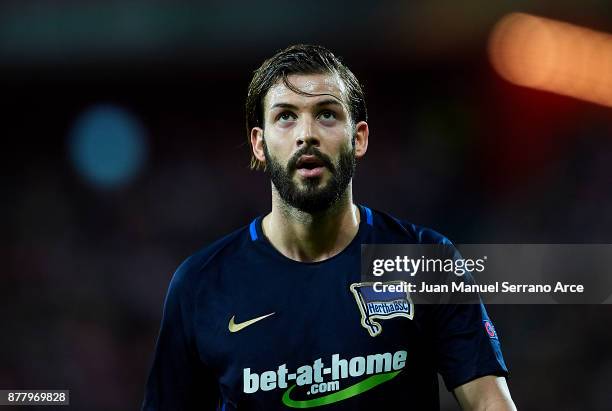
(309,237)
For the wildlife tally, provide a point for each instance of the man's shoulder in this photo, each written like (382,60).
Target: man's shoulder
(222,249)
(407,231)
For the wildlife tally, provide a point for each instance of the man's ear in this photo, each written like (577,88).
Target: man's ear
(257,142)
(362,132)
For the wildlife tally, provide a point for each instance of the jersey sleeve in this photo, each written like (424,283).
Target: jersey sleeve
(178,379)
(467,345)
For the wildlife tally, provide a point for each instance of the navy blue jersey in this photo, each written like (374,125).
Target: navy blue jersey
(246,328)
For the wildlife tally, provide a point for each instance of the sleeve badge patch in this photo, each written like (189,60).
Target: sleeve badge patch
(490,329)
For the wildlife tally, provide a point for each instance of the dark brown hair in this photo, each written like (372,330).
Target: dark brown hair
(299,59)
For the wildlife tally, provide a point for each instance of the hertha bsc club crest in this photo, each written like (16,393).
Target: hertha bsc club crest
(380,305)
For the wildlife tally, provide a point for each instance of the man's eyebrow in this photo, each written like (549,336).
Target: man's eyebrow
(330,101)
(326,102)
(284,105)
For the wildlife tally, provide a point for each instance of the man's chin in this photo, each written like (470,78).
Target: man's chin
(310,184)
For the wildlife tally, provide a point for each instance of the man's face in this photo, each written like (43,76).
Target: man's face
(308,141)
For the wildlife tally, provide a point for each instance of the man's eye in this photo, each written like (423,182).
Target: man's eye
(286,116)
(327,115)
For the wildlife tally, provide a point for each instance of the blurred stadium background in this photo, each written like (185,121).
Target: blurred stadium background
(125,152)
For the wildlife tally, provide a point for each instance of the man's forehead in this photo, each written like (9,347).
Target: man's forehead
(319,84)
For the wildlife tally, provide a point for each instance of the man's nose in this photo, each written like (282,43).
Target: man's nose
(307,133)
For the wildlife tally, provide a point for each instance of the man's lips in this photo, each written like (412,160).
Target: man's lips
(310,166)
(311,172)
(309,161)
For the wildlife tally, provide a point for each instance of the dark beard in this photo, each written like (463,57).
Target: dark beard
(312,199)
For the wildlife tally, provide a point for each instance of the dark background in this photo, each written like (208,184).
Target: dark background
(452,146)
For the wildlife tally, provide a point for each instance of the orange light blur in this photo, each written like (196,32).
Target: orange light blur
(554,56)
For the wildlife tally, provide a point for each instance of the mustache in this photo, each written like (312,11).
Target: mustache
(310,150)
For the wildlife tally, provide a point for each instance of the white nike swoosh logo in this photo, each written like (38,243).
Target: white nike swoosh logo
(233,327)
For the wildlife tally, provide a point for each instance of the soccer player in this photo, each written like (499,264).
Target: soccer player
(271,317)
